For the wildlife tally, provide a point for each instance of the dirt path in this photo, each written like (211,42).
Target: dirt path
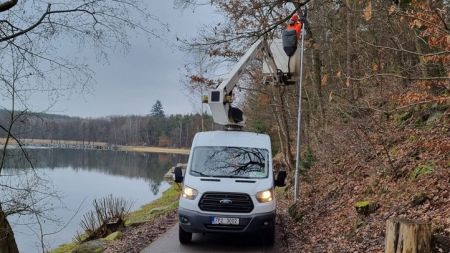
(168,243)
(136,238)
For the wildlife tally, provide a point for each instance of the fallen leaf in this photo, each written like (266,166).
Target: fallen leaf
(375,67)
(392,9)
(324,80)
(367,13)
(417,23)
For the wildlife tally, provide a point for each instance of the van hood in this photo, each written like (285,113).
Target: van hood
(238,185)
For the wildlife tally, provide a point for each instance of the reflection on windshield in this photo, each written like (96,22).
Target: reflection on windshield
(229,162)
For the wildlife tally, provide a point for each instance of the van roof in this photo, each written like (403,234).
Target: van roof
(232,139)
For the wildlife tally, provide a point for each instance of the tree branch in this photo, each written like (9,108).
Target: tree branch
(401,49)
(48,12)
(7,5)
(398,76)
(256,34)
(12,36)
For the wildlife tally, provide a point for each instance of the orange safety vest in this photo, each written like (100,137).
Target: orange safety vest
(297,26)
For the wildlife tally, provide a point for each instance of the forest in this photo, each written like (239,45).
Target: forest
(154,129)
(375,113)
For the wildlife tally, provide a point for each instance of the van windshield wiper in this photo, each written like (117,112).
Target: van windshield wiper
(200,173)
(217,176)
(230,176)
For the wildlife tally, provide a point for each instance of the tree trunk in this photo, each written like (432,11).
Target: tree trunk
(7,240)
(405,236)
(422,63)
(317,66)
(285,124)
(283,128)
(348,50)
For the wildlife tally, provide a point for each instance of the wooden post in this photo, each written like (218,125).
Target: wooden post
(406,236)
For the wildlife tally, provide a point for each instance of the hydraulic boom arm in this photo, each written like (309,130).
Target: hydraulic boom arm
(275,65)
(220,99)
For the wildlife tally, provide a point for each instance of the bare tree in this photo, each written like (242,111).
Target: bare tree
(32,36)
(352,49)
(225,42)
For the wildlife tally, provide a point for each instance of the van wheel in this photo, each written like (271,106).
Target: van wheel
(183,236)
(269,236)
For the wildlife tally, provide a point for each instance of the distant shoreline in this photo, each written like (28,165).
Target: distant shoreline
(101,146)
(146,149)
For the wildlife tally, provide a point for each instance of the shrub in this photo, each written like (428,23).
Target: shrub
(422,169)
(107,216)
(308,159)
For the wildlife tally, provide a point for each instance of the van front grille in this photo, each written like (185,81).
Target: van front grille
(227,202)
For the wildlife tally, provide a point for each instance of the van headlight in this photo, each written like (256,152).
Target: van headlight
(189,193)
(265,196)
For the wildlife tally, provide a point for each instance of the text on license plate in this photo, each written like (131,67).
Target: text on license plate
(225,221)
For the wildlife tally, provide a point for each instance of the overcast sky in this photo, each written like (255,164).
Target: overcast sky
(132,82)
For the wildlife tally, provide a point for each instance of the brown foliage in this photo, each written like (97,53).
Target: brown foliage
(196,79)
(375,108)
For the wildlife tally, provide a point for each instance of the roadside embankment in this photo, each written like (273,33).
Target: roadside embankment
(375,168)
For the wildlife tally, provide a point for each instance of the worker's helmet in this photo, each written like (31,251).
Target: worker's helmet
(294,18)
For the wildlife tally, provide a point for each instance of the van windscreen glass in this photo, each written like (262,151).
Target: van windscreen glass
(232,162)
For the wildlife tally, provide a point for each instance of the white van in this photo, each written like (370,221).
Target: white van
(228,185)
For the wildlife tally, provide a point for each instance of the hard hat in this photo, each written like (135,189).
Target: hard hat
(294,17)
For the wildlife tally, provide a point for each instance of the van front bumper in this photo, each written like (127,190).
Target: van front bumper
(196,222)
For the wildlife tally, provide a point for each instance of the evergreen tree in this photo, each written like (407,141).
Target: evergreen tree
(157,110)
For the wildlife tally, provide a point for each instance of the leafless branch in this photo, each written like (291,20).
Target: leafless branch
(401,49)
(254,35)
(398,76)
(7,5)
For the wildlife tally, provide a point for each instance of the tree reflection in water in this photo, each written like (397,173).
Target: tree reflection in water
(148,166)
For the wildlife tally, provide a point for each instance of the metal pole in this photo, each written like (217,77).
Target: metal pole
(201,96)
(297,163)
(202,118)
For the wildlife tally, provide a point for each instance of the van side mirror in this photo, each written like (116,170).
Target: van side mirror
(280,181)
(178,175)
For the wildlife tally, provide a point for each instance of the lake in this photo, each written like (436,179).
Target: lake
(78,177)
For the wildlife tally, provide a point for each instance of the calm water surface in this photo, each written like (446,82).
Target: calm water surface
(78,177)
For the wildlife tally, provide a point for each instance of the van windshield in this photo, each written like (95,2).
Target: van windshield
(233,162)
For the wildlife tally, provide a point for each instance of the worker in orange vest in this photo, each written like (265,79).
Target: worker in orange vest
(295,24)
(291,35)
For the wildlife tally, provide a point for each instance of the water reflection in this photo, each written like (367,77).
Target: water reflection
(82,175)
(129,164)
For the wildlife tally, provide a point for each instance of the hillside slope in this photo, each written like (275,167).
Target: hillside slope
(398,161)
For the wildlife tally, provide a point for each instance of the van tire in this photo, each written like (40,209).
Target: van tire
(269,236)
(183,236)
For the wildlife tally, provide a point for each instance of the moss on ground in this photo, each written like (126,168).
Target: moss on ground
(366,207)
(362,204)
(167,203)
(68,247)
(423,169)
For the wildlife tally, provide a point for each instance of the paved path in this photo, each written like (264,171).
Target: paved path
(229,243)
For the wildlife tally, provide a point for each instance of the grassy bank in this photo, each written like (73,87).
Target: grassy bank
(145,149)
(146,213)
(167,203)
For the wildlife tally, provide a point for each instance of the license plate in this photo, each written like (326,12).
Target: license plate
(225,221)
